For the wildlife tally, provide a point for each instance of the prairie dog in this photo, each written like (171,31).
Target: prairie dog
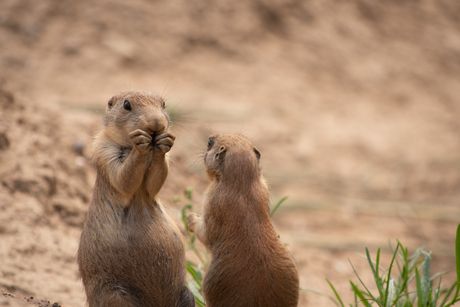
(130,252)
(249,264)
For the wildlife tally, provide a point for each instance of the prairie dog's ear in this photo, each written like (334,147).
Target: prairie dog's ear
(110,103)
(256,151)
(222,150)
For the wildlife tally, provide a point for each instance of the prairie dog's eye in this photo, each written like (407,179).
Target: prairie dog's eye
(209,143)
(127,105)
(164,104)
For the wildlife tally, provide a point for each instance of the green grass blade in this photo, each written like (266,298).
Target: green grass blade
(449,292)
(438,274)
(375,272)
(184,216)
(420,301)
(278,204)
(457,253)
(405,294)
(438,292)
(356,298)
(405,270)
(188,193)
(359,294)
(413,260)
(368,292)
(199,300)
(335,292)
(198,270)
(390,279)
(435,297)
(321,293)
(426,275)
(455,298)
(390,291)
(196,276)
(365,257)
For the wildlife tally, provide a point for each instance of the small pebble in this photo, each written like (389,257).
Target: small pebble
(4,142)
(78,147)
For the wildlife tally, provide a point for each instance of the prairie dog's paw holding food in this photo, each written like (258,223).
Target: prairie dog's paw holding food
(163,142)
(141,140)
(192,219)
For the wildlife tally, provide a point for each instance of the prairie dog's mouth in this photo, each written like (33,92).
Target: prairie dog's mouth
(155,134)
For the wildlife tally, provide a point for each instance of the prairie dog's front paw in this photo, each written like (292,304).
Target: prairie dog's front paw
(192,220)
(141,140)
(163,142)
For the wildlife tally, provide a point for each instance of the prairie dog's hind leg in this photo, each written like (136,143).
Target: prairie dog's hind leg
(115,296)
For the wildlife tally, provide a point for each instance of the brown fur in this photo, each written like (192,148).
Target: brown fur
(131,253)
(249,266)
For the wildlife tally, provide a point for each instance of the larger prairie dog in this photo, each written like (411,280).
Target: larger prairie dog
(249,265)
(131,253)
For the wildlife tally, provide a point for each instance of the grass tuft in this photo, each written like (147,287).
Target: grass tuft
(393,291)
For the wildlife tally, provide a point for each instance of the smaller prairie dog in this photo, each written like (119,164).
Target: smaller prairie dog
(249,265)
(131,253)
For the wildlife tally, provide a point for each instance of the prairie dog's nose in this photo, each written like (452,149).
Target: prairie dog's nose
(156,125)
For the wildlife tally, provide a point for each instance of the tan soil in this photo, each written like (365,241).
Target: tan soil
(353,105)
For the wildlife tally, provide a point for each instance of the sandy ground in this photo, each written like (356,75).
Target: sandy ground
(353,105)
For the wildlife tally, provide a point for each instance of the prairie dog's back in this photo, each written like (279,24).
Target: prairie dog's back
(250,266)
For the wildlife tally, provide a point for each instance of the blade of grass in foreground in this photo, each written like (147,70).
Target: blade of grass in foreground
(449,292)
(426,276)
(457,263)
(199,300)
(184,217)
(420,294)
(457,253)
(321,293)
(356,273)
(375,272)
(195,274)
(390,282)
(390,293)
(277,205)
(359,294)
(335,292)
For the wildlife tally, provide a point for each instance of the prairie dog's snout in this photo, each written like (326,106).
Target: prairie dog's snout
(156,125)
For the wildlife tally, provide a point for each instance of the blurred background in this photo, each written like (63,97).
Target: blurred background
(353,104)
